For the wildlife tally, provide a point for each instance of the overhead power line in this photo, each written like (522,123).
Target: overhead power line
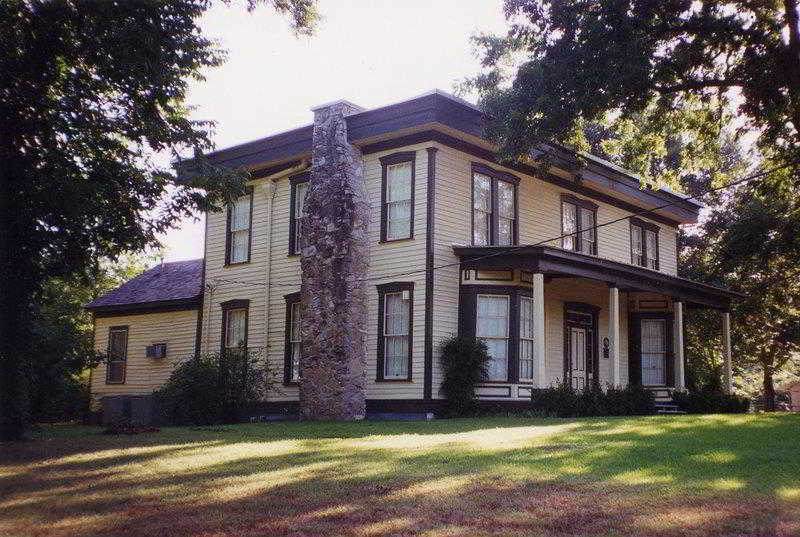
(513,248)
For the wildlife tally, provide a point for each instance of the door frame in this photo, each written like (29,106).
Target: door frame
(635,350)
(593,310)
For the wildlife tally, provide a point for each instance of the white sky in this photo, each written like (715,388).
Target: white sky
(371,52)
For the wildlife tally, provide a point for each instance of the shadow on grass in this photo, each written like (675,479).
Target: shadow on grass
(641,476)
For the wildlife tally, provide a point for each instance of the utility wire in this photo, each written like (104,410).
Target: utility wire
(502,250)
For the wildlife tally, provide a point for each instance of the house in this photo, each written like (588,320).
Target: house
(566,272)
(793,389)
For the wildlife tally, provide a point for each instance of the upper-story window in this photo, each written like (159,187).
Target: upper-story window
(299,185)
(494,207)
(239,236)
(397,196)
(117,355)
(644,244)
(578,224)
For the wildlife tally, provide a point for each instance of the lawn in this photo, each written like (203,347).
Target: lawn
(668,476)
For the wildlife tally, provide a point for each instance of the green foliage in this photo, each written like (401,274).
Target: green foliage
(214,388)
(464,365)
(564,401)
(563,62)
(93,109)
(709,401)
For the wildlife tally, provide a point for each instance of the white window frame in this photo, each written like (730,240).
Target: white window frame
(406,333)
(507,337)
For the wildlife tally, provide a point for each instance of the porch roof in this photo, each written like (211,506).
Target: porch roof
(554,261)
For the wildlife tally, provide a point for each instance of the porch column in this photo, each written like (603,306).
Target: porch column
(538,331)
(613,333)
(680,381)
(726,350)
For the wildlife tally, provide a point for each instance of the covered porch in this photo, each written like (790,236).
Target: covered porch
(579,317)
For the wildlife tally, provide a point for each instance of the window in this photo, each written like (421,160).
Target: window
(493,329)
(397,196)
(395,303)
(294,341)
(234,325)
(494,207)
(644,244)
(526,339)
(299,186)
(117,355)
(578,224)
(238,237)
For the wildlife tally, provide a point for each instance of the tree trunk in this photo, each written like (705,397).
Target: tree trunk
(769,390)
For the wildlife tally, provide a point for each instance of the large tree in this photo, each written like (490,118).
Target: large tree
(566,61)
(90,93)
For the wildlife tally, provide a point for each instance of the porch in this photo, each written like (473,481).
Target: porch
(549,314)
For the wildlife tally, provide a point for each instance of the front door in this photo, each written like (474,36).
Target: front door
(580,331)
(577,357)
(654,352)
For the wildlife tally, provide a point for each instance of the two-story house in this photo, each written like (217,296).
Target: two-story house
(567,273)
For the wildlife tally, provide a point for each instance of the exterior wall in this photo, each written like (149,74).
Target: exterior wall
(178,329)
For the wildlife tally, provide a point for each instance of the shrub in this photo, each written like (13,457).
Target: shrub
(465,363)
(564,401)
(710,401)
(214,388)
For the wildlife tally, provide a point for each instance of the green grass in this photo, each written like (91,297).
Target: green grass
(687,475)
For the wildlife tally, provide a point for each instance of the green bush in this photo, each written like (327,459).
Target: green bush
(564,401)
(465,364)
(214,388)
(710,401)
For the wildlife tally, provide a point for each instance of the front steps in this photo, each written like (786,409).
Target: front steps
(664,403)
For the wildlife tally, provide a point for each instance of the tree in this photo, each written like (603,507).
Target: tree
(579,59)
(92,93)
(751,244)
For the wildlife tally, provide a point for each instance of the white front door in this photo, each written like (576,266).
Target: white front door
(577,357)
(654,352)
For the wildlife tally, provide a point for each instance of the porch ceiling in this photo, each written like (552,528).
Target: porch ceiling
(555,261)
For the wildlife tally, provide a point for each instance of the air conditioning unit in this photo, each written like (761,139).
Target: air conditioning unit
(157,351)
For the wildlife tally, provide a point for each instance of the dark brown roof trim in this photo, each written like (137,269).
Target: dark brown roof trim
(161,306)
(580,202)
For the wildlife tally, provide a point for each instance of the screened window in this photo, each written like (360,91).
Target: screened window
(117,355)
(235,329)
(578,225)
(398,201)
(526,338)
(239,230)
(493,329)
(295,341)
(654,351)
(481,210)
(644,244)
(298,217)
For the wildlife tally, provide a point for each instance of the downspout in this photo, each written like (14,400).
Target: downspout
(270,188)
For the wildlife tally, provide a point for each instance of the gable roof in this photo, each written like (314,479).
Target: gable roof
(170,286)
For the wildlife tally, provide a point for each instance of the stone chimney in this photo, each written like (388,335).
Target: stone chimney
(335,260)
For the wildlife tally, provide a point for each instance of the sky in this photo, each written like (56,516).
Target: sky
(370,52)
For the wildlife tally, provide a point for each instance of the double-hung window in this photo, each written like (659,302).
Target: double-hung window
(294,341)
(578,224)
(395,302)
(117,355)
(526,338)
(493,323)
(397,196)
(644,244)
(238,235)
(494,207)
(234,326)
(299,185)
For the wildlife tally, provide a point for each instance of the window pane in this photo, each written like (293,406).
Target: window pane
(480,228)
(301,189)
(398,214)
(240,242)
(117,345)
(492,329)
(505,232)
(483,193)
(398,182)
(396,335)
(526,338)
(652,248)
(588,231)
(240,214)
(505,199)
(569,224)
(234,332)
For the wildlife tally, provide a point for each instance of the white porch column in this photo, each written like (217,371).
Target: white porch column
(726,350)
(613,333)
(538,331)
(680,377)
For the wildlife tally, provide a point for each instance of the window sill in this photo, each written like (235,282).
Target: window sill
(236,264)
(114,383)
(388,241)
(410,381)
